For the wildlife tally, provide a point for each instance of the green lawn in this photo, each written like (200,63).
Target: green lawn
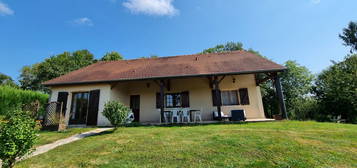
(46,137)
(273,144)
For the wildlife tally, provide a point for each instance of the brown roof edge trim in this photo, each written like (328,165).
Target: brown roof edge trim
(166,77)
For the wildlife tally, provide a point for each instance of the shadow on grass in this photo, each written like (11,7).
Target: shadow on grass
(103,133)
(184,124)
(164,125)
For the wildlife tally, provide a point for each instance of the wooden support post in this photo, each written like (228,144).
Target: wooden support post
(280,94)
(162,97)
(216,93)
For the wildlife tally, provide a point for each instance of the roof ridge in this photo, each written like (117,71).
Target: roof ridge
(174,56)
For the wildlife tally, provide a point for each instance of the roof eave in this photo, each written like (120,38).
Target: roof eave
(164,77)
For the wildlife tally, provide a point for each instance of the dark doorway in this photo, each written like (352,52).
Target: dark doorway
(135,106)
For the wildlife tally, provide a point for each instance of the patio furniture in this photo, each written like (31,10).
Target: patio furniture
(196,114)
(166,118)
(185,115)
(130,118)
(223,116)
(238,115)
(175,115)
(167,115)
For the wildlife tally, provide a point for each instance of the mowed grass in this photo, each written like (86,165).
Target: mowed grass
(46,137)
(271,144)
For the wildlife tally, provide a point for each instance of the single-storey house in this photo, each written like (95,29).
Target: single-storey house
(207,82)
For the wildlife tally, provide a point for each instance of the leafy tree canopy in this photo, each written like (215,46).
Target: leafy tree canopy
(297,86)
(336,89)
(7,80)
(349,36)
(28,78)
(151,56)
(112,56)
(296,80)
(229,46)
(32,76)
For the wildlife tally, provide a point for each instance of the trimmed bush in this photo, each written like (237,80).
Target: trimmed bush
(17,136)
(116,113)
(12,98)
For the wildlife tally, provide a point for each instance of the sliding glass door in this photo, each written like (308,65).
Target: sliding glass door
(79,108)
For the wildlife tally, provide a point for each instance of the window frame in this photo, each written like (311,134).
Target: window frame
(174,100)
(231,92)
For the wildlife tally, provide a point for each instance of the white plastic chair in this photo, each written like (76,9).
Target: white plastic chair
(197,114)
(130,118)
(165,119)
(186,115)
(175,114)
(224,116)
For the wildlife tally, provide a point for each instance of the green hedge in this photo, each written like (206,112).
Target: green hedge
(13,98)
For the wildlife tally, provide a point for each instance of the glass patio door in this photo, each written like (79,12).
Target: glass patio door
(79,108)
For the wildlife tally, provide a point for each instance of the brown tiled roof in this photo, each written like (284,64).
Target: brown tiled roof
(237,62)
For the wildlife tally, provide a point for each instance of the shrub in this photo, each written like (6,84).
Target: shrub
(304,109)
(116,113)
(12,98)
(17,136)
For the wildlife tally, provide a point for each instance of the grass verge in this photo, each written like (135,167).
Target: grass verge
(271,144)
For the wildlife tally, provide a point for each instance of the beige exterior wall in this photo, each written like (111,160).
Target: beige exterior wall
(105,93)
(199,94)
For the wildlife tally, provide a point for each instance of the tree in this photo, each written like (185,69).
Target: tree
(256,53)
(349,36)
(229,46)
(297,87)
(17,136)
(28,78)
(336,90)
(151,56)
(32,76)
(112,56)
(7,80)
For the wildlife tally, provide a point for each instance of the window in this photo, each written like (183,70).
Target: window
(79,108)
(229,97)
(174,100)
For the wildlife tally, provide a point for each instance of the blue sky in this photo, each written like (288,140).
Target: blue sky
(302,30)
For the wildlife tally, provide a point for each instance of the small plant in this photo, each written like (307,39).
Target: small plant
(116,113)
(17,136)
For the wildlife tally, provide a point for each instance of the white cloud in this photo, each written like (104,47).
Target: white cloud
(152,7)
(315,1)
(5,10)
(83,21)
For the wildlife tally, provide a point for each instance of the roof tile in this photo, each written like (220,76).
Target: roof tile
(176,66)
